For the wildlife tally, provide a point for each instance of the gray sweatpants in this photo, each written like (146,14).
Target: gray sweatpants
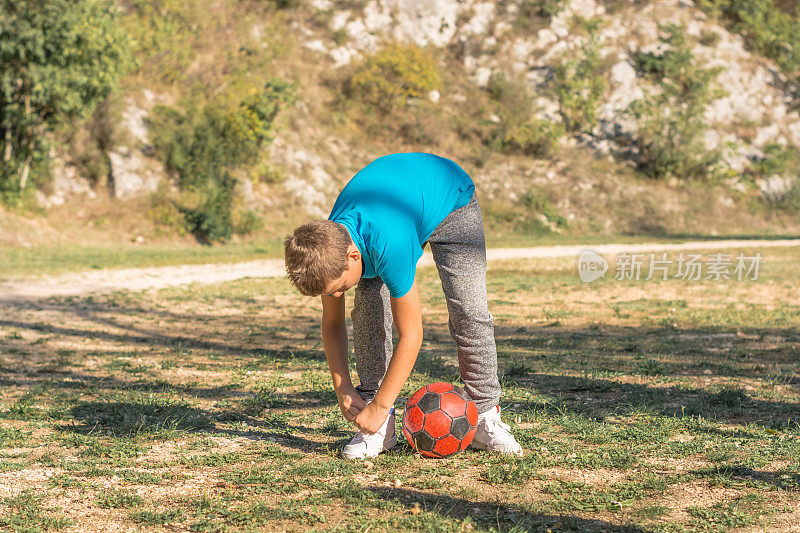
(458,245)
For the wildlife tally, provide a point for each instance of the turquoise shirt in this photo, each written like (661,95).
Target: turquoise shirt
(391,207)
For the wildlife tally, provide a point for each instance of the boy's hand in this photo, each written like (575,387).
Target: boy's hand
(371,418)
(350,402)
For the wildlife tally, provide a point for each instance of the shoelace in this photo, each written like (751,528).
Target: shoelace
(493,423)
(361,437)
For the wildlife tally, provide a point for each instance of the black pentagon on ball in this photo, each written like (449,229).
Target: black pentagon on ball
(429,402)
(461,392)
(424,441)
(460,427)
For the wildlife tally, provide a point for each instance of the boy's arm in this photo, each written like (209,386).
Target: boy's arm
(334,340)
(408,320)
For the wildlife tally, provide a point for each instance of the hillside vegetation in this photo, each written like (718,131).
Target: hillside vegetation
(211,121)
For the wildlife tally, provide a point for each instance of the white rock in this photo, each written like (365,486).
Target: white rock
(340,19)
(766,134)
(342,55)
(778,112)
(775,187)
(584,8)
(560,26)
(132,174)
(306,178)
(376,18)
(501,28)
(426,21)
(482,76)
(521,49)
(64,182)
(316,45)
(434,96)
(622,74)
(545,37)
(793,129)
(546,109)
(133,121)
(711,139)
(481,20)
(360,37)
(470,63)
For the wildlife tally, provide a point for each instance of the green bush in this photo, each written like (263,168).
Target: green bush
(781,160)
(539,203)
(211,218)
(765,28)
(578,84)
(203,146)
(389,77)
(533,13)
(777,159)
(60,58)
(197,142)
(524,216)
(670,120)
(247,221)
(518,130)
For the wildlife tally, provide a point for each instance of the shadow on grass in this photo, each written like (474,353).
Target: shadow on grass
(599,398)
(163,420)
(503,517)
(736,475)
(650,352)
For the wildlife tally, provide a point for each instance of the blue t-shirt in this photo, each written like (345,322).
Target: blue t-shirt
(391,207)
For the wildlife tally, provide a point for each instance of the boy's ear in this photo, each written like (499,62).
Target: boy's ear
(353,253)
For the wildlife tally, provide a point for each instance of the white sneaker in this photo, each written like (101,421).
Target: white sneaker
(494,435)
(363,446)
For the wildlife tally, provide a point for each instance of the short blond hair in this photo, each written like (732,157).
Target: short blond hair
(315,255)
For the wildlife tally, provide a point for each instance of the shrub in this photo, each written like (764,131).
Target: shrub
(518,130)
(670,121)
(388,78)
(777,159)
(60,59)
(228,136)
(247,221)
(211,218)
(539,203)
(765,28)
(204,145)
(579,85)
(530,12)
(784,161)
(536,138)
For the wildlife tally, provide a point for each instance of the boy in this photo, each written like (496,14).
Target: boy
(372,240)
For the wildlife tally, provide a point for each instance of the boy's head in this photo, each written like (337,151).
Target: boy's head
(321,258)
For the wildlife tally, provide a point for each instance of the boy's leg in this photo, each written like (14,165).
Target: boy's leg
(458,245)
(372,347)
(372,334)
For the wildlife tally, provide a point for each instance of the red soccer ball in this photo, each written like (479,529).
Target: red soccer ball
(440,420)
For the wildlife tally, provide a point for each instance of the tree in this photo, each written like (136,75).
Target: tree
(59,58)
(670,121)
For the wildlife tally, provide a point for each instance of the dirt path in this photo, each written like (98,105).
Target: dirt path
(133,279)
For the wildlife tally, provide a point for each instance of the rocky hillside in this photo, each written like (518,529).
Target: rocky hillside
(574,116)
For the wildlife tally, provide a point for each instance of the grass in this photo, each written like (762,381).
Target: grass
(21,262)
(642,406)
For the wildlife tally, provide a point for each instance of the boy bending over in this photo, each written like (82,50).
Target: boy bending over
(372,240)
